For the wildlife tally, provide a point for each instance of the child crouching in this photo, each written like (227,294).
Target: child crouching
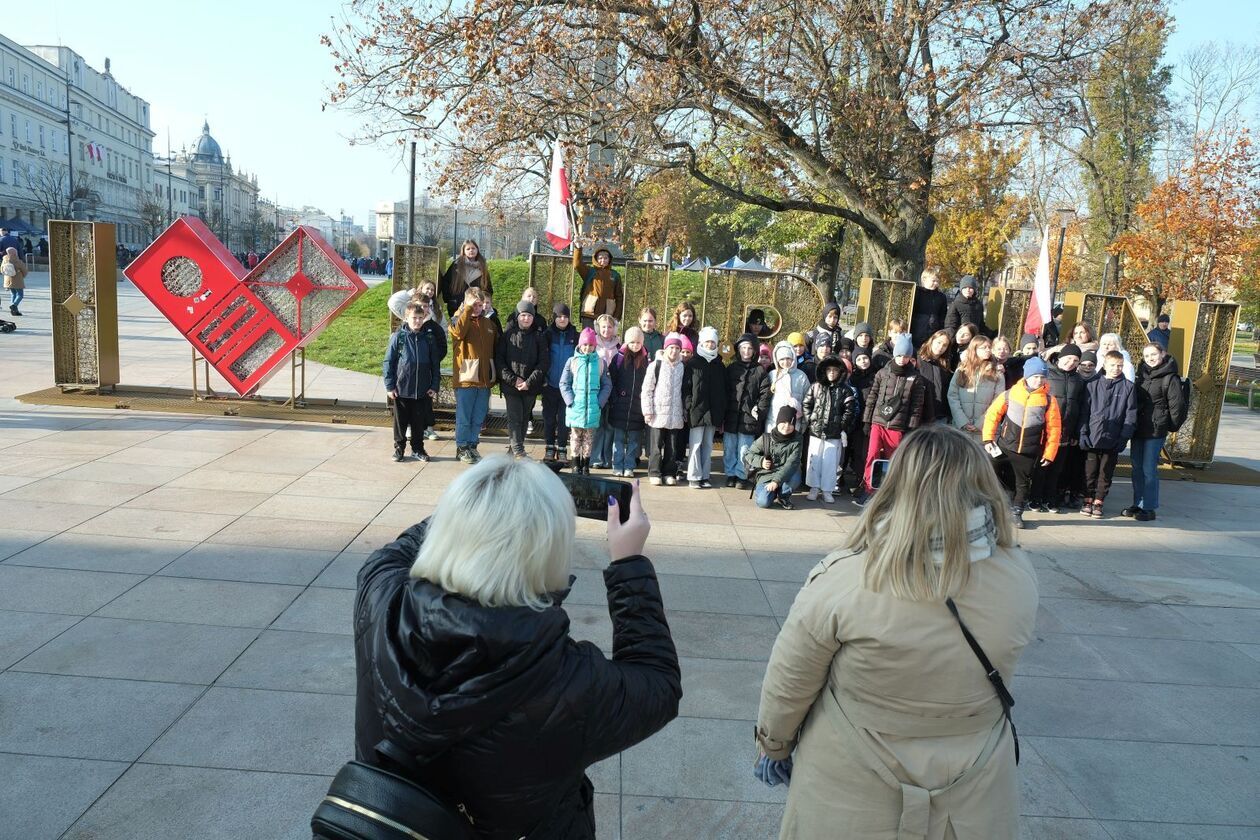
(776,457)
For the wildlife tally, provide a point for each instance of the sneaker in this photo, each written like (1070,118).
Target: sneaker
(529,427)
(549,454)
(861,499)
(562,453)
(670,481)
(731,481)
(398,454)
(1017,519)
(1052,507)
(1144,515)
(465,455)
(1131,511)
(813,494)
(784,502)
(694,485)
(706,485)
(655,481)
(1087,509)
(1097,512)
(1042,507)
(431,434)
(829,499)
(421,456)
(519,453)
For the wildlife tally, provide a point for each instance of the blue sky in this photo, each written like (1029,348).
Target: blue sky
(257,71)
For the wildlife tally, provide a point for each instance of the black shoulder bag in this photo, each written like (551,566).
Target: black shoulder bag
(370,803)
(1004,696)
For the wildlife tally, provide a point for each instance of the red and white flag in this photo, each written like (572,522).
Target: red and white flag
(1039,307)
(558,230)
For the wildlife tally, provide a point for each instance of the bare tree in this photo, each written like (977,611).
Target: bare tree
(49,184)
(1221,83)
(834,107)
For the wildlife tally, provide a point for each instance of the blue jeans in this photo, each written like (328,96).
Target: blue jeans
(471,407)
(601,447)
(765,498)
(17,294)
(1144,453)
(625,446)
(734,448)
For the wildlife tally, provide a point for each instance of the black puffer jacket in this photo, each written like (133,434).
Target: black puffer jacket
(513,708)
(704,391)
(1161,404)
(831,407)
(523,355)
(1068,390)
(965,311)
(625,406)
(928,314)
(747,388)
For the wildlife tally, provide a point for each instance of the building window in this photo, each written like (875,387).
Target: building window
(1,170)
(11,82)
(13,125)
(28,131)
(41,137)
(39,90)
(26,83)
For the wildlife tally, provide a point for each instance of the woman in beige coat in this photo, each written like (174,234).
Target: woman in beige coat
(14,271)
(897,732)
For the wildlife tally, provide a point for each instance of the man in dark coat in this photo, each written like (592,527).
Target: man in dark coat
(928,314)
(966,308)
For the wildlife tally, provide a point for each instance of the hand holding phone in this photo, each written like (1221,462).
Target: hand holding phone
(627,538)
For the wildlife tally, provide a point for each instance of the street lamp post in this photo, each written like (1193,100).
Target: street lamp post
(1064,215)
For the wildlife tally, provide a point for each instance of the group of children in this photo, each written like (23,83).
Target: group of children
(802,413)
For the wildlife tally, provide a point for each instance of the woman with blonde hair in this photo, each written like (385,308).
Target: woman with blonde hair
(976,384)
(469,684)
(878,680)
(1108,342)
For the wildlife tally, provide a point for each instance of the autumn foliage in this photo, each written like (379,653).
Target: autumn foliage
(1199,230)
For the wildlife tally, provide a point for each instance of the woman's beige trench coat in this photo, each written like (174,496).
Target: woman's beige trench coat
(897,731)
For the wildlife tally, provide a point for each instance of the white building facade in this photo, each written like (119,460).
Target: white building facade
(436,224)
(58,116)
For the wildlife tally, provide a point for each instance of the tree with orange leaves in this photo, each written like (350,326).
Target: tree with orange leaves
(1198,229)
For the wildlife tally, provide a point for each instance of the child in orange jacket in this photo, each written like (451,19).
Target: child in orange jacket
(1025,425)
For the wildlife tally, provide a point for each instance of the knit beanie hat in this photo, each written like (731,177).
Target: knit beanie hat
(1034,367)
(858,352)
(1027,338)
(863,328)
(1089,356)
(708,334)
(560,309)
(784,350)
(588,337)
(671,340)
(525,308)
(795,339)
(967,282)
(1070,350)
(686,343)
(902,346)
(787,414)
(763,351)
(823,340)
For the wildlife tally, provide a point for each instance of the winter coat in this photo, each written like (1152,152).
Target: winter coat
(964,311)
(585,387)
(460,276)
(16,279)
(1025,422)
(936,376)
(1050,334)
(1161,403)
(831,408)
(899,399)
(523,355)
(563,345)
(886,705)
(602,290)
(661,397)
(1068,390)
(785,457)
(1109,415)
(835,333)
(413,361)
(473,340)
(625,408)
(1160,337)
(704,391)
(747,394)
(786,387)
(653,342)
(509,706)
(862,381)
(968,404)
(928,314)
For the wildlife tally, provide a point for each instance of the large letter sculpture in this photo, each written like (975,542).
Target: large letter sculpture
(244,324)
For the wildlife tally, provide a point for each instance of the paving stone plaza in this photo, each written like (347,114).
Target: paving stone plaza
(176,657)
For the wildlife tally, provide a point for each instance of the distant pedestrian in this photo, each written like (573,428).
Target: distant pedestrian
(14,271)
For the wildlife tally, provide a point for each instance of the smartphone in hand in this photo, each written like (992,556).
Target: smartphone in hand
(590,495)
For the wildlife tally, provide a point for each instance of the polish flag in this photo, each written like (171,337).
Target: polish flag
(559,233)
(1039,307)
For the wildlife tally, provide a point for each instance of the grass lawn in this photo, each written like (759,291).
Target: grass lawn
(357,339)
(1243,343)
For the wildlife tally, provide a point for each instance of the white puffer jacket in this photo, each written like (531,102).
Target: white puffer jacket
(662,394)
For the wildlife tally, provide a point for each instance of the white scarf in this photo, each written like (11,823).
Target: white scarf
(981,536)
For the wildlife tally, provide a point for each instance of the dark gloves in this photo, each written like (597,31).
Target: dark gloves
(773,772)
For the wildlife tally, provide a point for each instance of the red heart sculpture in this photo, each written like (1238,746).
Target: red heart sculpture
(245,324)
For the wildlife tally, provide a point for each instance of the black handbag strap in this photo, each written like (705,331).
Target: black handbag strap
(1004,695)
